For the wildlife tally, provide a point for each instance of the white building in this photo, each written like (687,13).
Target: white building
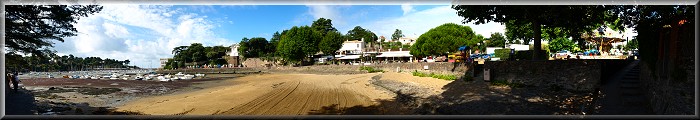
(518,47)
(490,50)
(233,56)
(234,50)
(164,61)
(352,47)
(408,40)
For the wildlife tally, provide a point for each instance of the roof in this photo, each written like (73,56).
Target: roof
(352,41)
(396,54)
(349,57)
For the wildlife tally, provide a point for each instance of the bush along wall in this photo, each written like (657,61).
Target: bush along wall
(503,54)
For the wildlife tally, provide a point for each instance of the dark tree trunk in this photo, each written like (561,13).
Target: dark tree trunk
(537,33)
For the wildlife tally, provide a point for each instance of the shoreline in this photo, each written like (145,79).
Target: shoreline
(84,96)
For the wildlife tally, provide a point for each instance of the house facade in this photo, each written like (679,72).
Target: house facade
(351,47)
(408,40)
(233,58)
(163,62)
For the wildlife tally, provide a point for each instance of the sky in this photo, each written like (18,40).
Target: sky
(145,33)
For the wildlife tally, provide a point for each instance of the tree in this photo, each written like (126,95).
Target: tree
(561,43)
(126,62)
(632,44)
(298,43)
(516,32)
(331,43)
(324,26)
(359,33)
(647,20)
(397,34)
(442,39)
(480,43)
(196,52)
(497,40)
(255,47)
(215,54)
(30,28)
(273,42)
(243,47)
(179,49)
(573,19)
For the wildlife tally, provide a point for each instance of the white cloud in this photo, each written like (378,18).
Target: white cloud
(407,8)
(416,23)
(142,34)
(329,12)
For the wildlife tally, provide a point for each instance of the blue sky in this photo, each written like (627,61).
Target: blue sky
(145,33)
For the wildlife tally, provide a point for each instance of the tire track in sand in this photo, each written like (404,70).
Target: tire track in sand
(304,97)
(260,103)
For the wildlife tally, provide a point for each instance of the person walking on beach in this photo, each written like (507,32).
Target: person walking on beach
(15,81)
(8,77)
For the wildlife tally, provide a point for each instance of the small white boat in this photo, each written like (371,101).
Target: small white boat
(179,74)
(114,78)
(147,78)
(187,77)
(94,77)
(199,75)
(138,78)
(50,76)
(125,78)
(163,79)
(168,76)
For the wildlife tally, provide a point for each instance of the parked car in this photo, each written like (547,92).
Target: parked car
(563,54)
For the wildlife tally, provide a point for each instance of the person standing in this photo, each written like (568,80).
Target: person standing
(15,81)
(8,78)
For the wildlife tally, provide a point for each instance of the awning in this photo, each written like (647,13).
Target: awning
(396,54)
(349,57)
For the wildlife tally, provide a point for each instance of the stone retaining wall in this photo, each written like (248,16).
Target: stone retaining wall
(581,75)
(667,97)
(435,67)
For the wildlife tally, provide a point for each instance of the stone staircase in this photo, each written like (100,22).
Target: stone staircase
(624,94)
(632,95)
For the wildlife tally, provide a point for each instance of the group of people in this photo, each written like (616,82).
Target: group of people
(14,78)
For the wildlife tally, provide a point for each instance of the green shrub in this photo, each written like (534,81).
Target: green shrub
(370,69)
(499,83)
(506,83)
(444,77)
(503,54)
(433,75)
(419,74)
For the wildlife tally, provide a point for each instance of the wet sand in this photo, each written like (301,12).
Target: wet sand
(267,94)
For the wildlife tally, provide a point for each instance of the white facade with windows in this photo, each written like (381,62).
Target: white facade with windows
(164,61)
(408,40)
(234,50)
(352,47)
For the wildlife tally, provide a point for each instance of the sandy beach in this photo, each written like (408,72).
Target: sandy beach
(277,94)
